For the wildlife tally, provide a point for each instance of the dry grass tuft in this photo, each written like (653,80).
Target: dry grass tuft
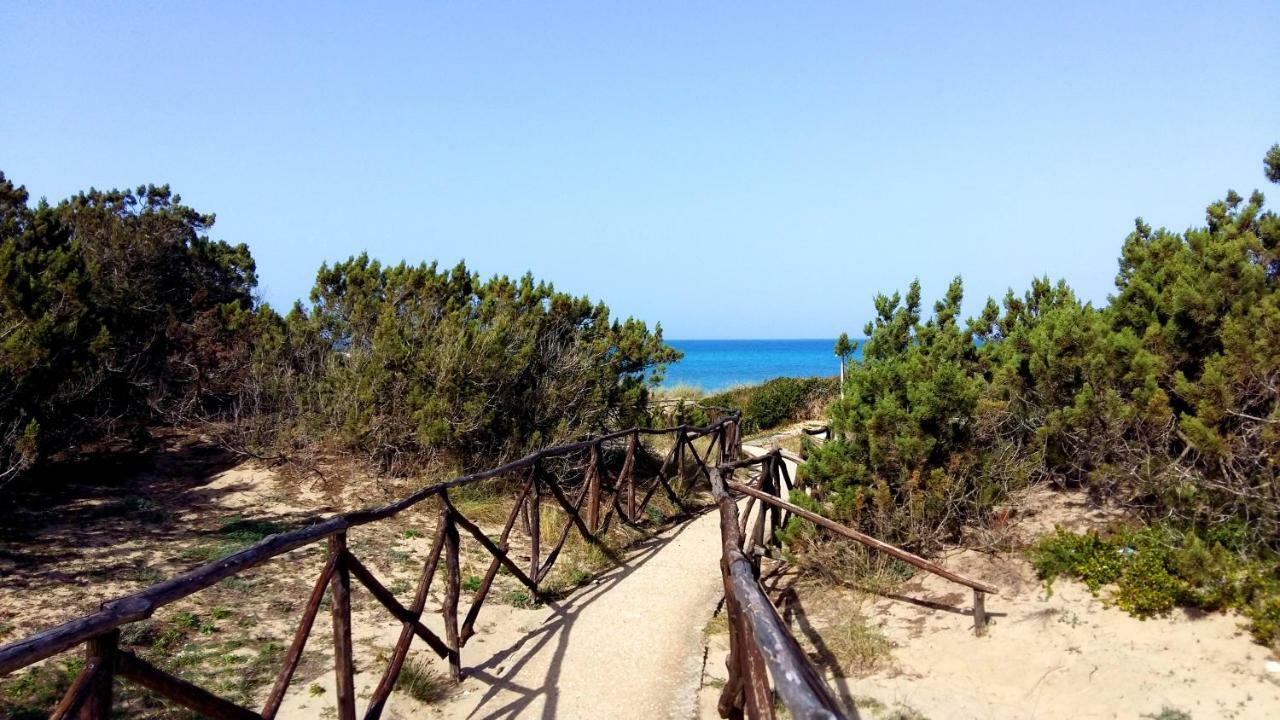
(844,563)
(717,625)
(422,682)
(858,648)
(486,502)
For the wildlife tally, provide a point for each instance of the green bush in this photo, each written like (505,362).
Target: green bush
(1166,399)
(777,401)
(116,311)
(403,363)
(1153,568)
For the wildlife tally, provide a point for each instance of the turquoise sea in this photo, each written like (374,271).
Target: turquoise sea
(719,364)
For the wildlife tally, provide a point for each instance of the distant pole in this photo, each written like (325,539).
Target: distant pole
(843,349)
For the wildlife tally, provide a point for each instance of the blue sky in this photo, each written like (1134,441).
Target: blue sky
(729,169)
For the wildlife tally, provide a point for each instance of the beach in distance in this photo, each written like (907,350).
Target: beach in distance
(714,365)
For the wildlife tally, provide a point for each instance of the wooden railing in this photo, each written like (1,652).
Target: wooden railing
(758,639)
(761,647)
(583,473)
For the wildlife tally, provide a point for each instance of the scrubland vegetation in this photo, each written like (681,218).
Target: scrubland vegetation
(764,406)
(118,312)
(1164,400)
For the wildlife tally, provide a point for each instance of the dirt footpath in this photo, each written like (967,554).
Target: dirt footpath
(629,645)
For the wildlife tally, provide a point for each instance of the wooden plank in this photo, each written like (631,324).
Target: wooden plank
(291,659)
(799,685)
(389,601)
(535,522)
(576,518)
(489,545)
(593,490)
(903,555)
(343,662)
(180,691)
(550,560)
(732,700)
(755,678)
(979,613)
(629,473)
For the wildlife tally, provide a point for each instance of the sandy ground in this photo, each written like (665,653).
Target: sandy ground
(629,645)
(1047,655)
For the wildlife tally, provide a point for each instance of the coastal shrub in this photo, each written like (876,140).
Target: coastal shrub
(1150,569)
(777,401)
(401,364)
(1165,399)
(116,311)
(903,462)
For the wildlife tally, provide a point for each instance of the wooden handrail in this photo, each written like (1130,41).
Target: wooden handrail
(759,638)
(897,552)
(762,650)
(142,604)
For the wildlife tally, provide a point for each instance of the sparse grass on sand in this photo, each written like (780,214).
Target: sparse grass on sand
(422,682)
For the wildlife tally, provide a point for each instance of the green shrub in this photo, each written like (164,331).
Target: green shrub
(1167,399)
(1153,568)
(774,402)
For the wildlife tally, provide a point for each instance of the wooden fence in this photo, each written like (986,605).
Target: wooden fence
(599,498)
(761,647)
(758,638)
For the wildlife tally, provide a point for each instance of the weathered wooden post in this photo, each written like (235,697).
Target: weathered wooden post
(535,518)
(681,440)
(452,589)
(101,652)
(629,473)
(979,613)
(593,489)
(343,668)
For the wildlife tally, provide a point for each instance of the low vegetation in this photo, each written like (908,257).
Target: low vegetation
(422,682)
(1148,570)
(764,406)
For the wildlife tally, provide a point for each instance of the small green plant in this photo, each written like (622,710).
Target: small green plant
(411,533)
(30,695)
(1168,713)
(471,583)
(316,690)
(234,534)
(655,515)
(187,620)
(519,598)
(399,587)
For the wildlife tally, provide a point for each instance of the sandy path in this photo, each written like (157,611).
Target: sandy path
(629,645)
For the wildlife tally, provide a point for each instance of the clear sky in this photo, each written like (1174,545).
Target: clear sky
(729,169)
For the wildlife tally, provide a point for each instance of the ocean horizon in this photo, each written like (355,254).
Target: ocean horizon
(715,365)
